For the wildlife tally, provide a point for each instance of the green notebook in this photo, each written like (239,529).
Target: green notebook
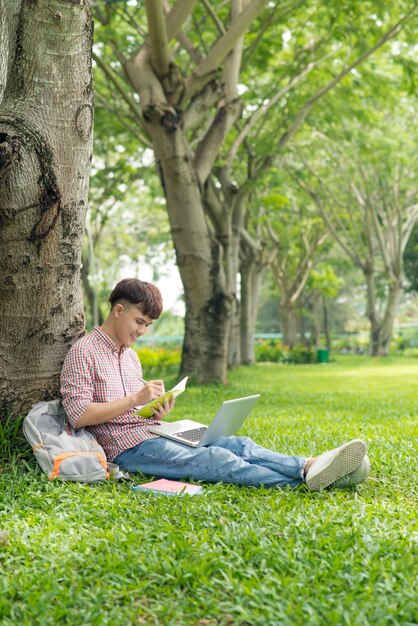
(145,411)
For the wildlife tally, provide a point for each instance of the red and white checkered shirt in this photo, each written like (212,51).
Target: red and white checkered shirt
(95,370)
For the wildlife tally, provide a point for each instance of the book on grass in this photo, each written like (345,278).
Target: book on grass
(146,410)
(169,487)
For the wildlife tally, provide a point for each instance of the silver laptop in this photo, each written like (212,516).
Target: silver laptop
(226,422)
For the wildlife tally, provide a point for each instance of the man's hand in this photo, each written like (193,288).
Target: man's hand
(152,390)
(164,409)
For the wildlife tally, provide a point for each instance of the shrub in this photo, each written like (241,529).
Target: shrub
(269,350)
(273,351)
(300,355)
(159,361)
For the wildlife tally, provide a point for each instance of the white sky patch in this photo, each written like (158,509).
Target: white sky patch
(286,36)
(147,157)
(241,89)
(396,47)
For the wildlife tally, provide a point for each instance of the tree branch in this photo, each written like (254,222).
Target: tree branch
(133,107)
(197,111)
(139,71)
(214,17)
(350,251)
(209,147)
(300,118)
(158,39)
(193,52)
(124,121)
(287,10)
(214,59)
(177,16)
(263,110)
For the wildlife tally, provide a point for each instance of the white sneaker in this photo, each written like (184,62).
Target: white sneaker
(355,478)
(334,464)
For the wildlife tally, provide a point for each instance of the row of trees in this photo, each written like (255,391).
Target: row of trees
(231,136)
(226,96)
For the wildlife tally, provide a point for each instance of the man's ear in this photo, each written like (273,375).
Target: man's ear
(117,309)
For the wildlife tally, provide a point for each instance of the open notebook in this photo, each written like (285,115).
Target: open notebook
(146,410)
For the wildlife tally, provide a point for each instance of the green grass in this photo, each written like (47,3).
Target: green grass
(100,554)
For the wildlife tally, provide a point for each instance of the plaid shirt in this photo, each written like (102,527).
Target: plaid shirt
(95,370)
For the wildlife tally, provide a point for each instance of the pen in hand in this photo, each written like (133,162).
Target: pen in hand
(147,382)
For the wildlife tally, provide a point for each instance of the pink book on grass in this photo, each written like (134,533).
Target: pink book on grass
(169,487)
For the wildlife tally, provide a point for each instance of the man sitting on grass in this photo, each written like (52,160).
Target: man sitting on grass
(102,386)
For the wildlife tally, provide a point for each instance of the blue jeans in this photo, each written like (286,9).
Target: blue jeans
(235,460)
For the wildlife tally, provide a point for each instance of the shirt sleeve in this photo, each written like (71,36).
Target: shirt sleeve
(77,383)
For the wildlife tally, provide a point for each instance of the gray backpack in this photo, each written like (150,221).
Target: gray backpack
(63,452)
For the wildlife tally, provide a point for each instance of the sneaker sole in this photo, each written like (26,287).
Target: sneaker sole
(360,475)
(346,459)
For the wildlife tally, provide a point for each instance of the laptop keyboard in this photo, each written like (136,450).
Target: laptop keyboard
(193,435)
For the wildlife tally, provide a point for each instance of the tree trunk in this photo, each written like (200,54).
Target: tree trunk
(316,320)
(301,326)
(199,258)
(232,258)
(371,313)
(386,331)
(326,325)
(46,121)
(250,289)
(234,335)
(288,323)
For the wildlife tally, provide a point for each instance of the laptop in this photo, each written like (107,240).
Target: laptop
(226,422)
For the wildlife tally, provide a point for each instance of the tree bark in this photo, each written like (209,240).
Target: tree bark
(250,290)
(371,312)
(288,322)
(46,118)
(328,340)
(392,305)
(199,257)
(316,320)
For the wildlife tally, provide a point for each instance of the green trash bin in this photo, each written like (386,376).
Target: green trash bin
(322,355)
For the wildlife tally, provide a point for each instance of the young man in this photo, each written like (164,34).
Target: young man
(102,385)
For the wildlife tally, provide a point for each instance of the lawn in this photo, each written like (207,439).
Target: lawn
(102,554)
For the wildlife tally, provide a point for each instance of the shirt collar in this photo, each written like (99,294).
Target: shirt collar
(108,341)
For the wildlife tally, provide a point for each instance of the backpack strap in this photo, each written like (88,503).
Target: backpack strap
(115,471)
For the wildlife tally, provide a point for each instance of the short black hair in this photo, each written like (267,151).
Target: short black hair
(138,292)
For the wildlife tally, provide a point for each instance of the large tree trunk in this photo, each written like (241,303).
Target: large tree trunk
(46,120)
(199,258)
(172,108)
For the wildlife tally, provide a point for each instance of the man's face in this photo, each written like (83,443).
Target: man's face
(130,323)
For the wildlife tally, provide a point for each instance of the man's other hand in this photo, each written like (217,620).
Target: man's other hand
(164,409)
